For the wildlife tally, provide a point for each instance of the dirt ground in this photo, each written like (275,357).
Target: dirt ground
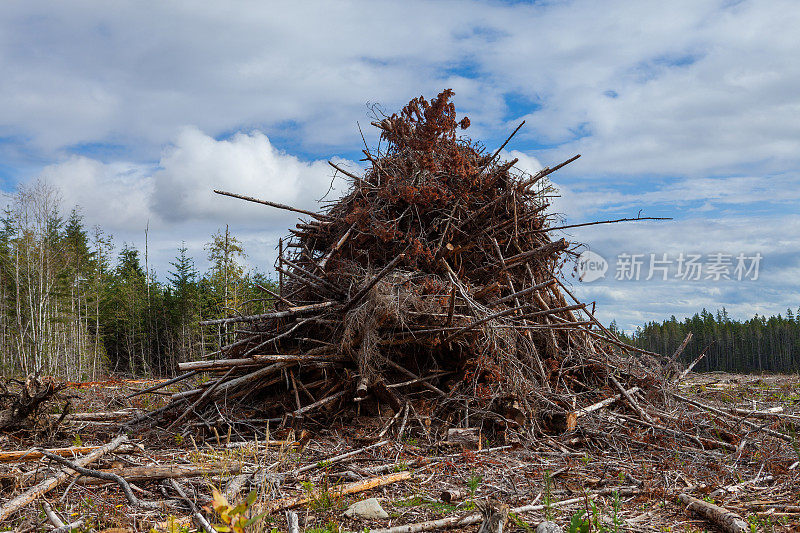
(624,478)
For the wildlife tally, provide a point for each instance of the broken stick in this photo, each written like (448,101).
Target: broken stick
(350,488)
(49,484)
(725,519)
(462,521)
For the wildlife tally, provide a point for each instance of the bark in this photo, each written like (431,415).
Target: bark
(726,520)
(463,521)
(49,484)
(350,488)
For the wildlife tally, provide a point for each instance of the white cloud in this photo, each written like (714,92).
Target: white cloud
(527,163)
(685,87)
(631,302)
(124,195)
(176,201)
(116,195)
(248,164)
(584,199)
(660,88)
(686,108)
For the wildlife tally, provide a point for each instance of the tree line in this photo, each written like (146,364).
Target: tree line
(74,305)
(760,344)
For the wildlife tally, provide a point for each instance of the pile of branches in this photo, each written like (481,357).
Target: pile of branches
(432,286)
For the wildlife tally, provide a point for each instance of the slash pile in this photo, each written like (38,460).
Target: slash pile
(433,284)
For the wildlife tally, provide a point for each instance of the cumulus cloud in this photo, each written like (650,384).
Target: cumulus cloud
(174,198)
(124,195)
(116,195)
(685,109)
(659,88)
(687,87)
(527,163)
(249,164)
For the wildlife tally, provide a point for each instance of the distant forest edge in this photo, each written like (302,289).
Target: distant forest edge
(760,344)
(74,305)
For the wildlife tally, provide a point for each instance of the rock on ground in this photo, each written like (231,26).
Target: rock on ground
(369,509)
(549,527)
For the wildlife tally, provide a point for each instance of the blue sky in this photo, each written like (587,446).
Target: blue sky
(136,110)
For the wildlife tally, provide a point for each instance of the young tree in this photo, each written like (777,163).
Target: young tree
(184,303)
(35,271)
(8,232)
(225,284)
(99,281)
(183,277)
(125,313)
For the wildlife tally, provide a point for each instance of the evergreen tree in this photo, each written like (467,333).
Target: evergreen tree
(124,313)
(183,278)
(184,304)
(760,344)
(225,283)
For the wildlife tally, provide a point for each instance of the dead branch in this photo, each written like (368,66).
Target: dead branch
(338,492)
(106,476)
(49,484)
(726,520)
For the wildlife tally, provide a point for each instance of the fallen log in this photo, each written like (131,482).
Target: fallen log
(340,457)
(108,476)
(523,292)
(467,438)
(136,474)
(292,311)
(74,451)
(453,495)
(317,404)
(196,514)
(701,441)
(603,403)
(110,416)
(337,492)
(222,391)
(725,519)
(17,503)
(68,528)
(203,397)
(753,425)
(546,250)
(630,399)
(773,413)
(161,385)
(292,522)
(474,518)
(258,360)
(259,443)
(729,489)
(415,378)
(52,516)
(216,364)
